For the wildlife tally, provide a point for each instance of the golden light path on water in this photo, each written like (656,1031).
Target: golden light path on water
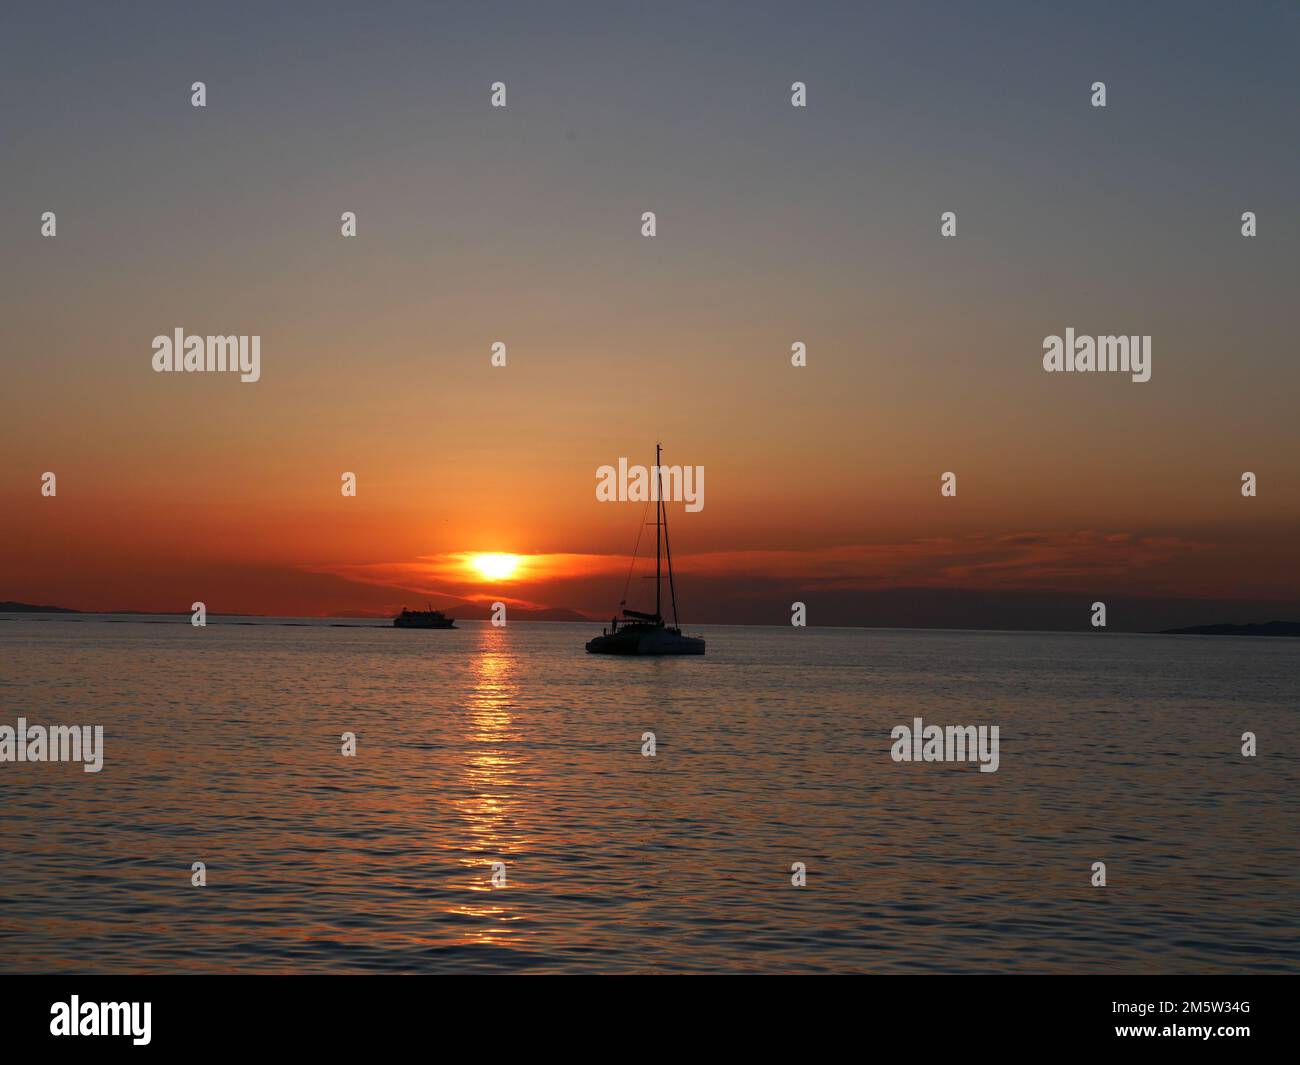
(488,807)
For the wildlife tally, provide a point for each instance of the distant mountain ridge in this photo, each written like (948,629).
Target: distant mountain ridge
(1267,628)
(468,611)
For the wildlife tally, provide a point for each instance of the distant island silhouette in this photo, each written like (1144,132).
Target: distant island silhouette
(469,611)
(10,607)
(1267,628)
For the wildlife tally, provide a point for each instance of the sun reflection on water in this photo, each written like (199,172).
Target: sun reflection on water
(487,805)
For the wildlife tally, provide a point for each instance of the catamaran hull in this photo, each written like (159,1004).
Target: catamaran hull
(655,643)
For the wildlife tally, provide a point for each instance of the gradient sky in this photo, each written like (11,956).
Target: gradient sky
(775,225)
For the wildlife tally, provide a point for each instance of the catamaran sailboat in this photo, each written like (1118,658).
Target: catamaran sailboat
(647,634)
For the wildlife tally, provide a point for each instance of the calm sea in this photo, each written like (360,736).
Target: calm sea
(483,745)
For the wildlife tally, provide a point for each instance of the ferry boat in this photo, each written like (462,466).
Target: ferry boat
(640,633)
(423,619)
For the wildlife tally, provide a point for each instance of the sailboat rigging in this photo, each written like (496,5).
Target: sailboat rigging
(649,634)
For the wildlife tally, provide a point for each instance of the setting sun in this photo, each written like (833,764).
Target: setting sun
(495,567)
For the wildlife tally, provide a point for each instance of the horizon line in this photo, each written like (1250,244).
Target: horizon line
(376,621)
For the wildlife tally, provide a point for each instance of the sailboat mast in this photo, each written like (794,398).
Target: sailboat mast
(668,554)
(659,496)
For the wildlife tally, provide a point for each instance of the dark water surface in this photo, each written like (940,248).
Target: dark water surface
(482,745)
